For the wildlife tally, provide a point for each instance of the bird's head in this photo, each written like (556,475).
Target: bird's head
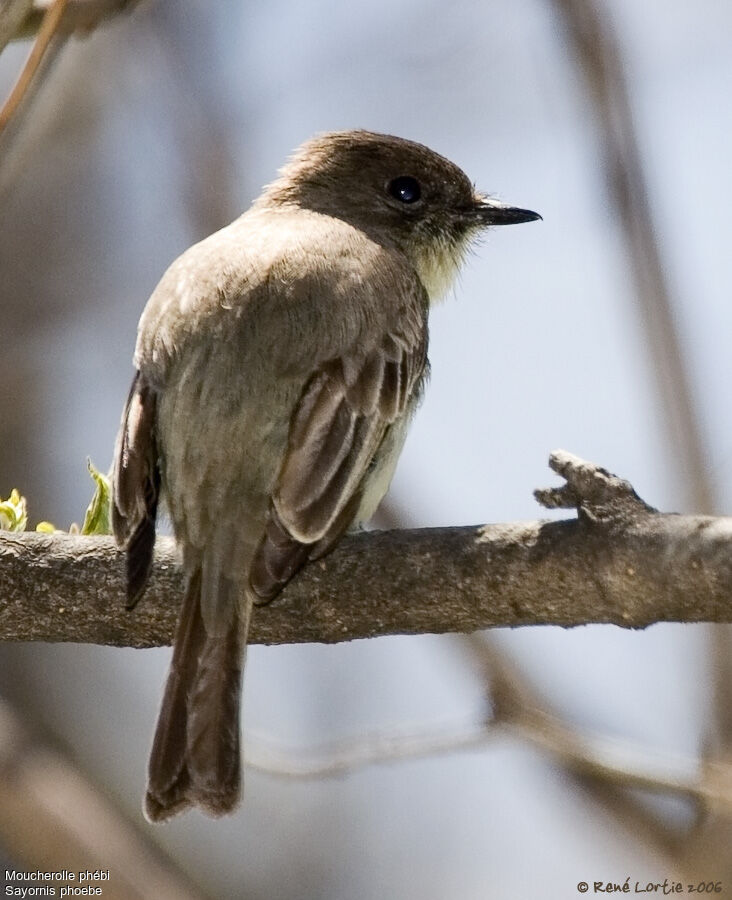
(400,193)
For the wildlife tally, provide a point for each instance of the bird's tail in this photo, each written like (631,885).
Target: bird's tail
(195,758)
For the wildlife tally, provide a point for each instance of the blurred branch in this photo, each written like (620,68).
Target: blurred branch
(593,762)
(518,706)
(52,818)
(52,21)
(720,738)
(334,760)
(607,768)
(12,15)
(79,16)
(620,561)
(11,149)
(590,755)
(48,29)
(598,53)
(603,764)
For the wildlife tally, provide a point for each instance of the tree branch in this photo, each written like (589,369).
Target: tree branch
(519,709)
(46,34)
(619,562)
(589,755)
(80,16)
(12,15)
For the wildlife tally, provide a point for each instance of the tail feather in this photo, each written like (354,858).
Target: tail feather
(213,752)
(195,758)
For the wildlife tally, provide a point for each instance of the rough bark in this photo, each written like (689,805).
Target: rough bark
(620,561)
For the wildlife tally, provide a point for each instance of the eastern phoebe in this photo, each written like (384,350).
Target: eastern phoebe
(279,363)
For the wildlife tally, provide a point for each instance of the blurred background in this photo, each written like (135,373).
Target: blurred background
(600,754)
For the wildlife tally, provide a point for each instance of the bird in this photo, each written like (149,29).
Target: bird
(278,365)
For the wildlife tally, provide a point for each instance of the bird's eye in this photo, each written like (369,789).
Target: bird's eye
(405,188)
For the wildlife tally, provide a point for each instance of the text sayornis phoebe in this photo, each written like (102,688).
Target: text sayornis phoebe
(279,363)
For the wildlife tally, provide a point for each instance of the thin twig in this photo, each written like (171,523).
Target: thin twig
(12,15)
(45,35)
(591,755)
(80,16)
(340,758)
(12,157)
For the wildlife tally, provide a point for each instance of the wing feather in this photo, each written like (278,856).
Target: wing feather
(345,410)
(136,485)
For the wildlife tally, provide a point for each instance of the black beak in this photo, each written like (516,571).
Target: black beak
(491,212)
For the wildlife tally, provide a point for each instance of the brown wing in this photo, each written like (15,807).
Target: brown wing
(136,486)
(335,432)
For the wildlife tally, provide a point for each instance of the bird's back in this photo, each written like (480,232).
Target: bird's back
(228,334)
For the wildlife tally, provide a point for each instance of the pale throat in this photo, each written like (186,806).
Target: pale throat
(437,265)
